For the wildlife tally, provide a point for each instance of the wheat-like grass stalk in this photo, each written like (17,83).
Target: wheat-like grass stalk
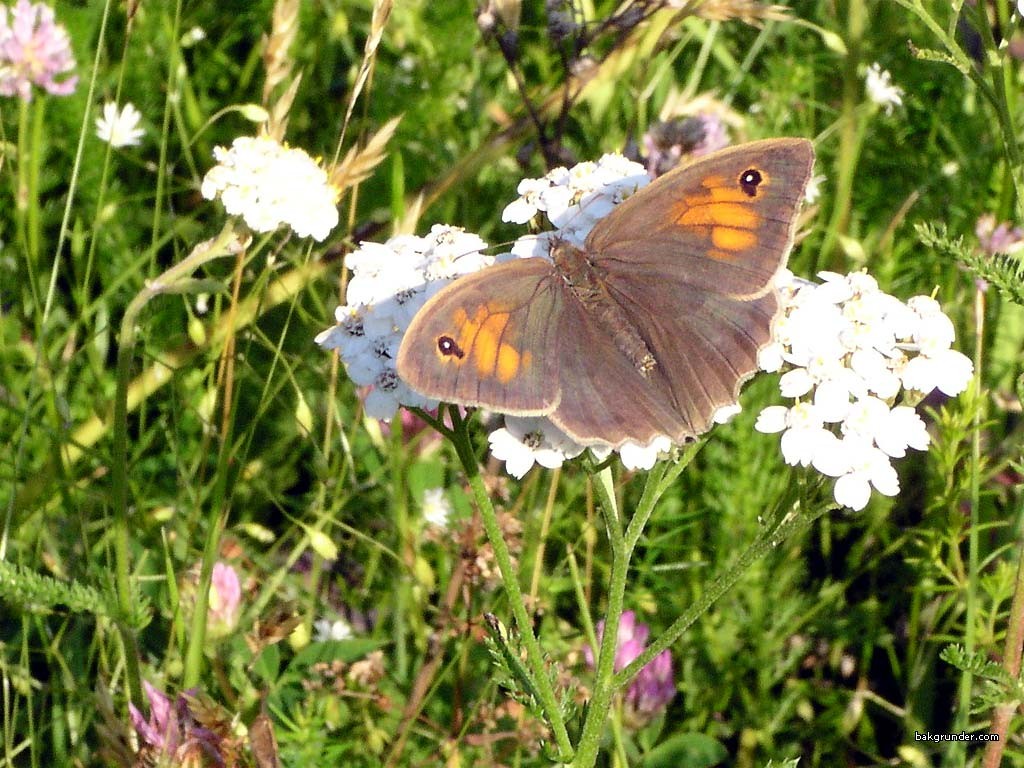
(358,164)
(278,65)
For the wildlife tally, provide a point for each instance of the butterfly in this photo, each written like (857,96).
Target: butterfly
(648,329)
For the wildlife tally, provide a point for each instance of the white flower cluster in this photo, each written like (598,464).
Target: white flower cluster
(269,184)
(389,284)
(850,349)
(573,199)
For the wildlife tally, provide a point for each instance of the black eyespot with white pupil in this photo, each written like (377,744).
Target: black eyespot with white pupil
(447,346)
(750,180)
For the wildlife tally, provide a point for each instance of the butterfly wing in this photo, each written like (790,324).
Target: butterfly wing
(489,340)
(723,223)
(604,398)
(691,261)
(706,345)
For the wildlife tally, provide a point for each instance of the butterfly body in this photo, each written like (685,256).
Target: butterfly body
(648,329)
(586,283)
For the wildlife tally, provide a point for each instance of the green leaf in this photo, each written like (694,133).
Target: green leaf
(347,651)
(268,663)
(686,750)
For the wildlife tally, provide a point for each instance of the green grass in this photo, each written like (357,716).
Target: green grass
(139,451)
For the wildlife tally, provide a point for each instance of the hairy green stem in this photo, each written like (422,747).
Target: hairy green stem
(510,582)
(769,538)
(604,687)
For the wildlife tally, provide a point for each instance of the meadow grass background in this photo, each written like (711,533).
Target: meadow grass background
(828,649)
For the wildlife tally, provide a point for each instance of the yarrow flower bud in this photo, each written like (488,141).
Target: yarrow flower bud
(34,50)
(269,184)
(850,349)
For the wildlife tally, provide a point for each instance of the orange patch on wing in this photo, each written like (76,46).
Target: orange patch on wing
(732,239)
(509,361)
(487,345)
(480,338)
(696,212)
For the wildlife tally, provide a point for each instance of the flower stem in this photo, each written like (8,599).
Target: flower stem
(1011,663)
(769,538)
(604,685)
(119,464)
(510,581)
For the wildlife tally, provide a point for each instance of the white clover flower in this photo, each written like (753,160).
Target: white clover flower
(881,91)
(389,284)
(525,441)
(119,128)
(269,184)
(436,507)
(850,350)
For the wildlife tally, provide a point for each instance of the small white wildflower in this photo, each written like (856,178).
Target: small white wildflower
(813,190)
(269,184)
(119,128)
(869,468)
(881,90)
(193,36)
(635,456)
(326,629)
(436,507)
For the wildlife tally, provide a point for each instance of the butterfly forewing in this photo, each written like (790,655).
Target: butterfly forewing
(721,224)
(489,339)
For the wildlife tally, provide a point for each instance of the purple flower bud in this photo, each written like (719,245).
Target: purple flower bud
(653,688)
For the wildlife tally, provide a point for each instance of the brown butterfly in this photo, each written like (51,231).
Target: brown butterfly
(647,330)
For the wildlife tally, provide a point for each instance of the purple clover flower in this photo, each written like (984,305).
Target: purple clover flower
(172,731)
(653,688)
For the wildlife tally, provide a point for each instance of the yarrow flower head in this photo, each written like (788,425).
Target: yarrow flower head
(34,50)
(849,350)
(881,91)
(269,184)
(119,127)
(653,689)
(389,284)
